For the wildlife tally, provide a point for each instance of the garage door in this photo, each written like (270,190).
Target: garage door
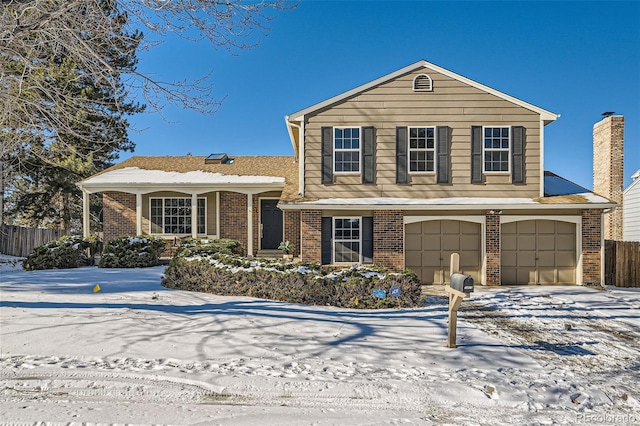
(538,252)
(429,244)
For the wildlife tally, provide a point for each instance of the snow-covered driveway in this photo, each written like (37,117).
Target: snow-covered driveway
(136,352)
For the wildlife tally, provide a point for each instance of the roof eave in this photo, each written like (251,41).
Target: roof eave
(442,207)
(178,187)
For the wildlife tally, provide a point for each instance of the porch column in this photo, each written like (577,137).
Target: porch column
(249,224)
(138,214)
(218,215)
(194,215)
(85,214)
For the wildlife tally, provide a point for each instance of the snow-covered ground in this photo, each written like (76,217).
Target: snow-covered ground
(135,352)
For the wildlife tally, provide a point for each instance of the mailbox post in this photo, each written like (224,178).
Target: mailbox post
(460,287)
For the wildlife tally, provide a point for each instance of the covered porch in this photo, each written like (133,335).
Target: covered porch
(161,203)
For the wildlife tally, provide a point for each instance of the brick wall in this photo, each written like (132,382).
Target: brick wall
(492,249)
(256,223)
(119,215)
(311,240)
(591,247)
(233,216)
(608,169)
(388,239)
(292,229)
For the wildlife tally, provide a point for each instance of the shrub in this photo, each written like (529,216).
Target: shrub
(132,252)
(206,246)
(351,287)
(66,252)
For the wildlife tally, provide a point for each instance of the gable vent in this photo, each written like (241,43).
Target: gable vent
(422,83)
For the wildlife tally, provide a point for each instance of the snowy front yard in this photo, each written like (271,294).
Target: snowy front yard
(136,352)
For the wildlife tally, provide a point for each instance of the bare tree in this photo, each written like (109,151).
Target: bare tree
(89,35)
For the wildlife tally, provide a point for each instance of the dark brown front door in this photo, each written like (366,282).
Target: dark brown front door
(271,217)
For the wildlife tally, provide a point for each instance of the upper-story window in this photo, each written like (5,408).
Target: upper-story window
(422,149)
(346,144)
(496,149)
(422,83)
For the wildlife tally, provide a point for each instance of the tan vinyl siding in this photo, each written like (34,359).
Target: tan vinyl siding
(451,103)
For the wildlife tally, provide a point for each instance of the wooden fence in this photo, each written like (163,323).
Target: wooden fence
(622,263)
(19,241)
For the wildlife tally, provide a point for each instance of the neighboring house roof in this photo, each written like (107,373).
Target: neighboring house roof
(547,116)
(636,179)
(166,172)
(555,185)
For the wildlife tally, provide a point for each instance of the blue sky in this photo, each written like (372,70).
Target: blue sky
(578,59)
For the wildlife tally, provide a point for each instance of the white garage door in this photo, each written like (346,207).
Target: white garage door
(538,252)
(429,244)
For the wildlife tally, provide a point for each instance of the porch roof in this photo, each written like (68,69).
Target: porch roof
(152,173)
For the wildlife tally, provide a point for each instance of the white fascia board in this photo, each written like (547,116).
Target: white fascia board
(289,124)
(245,188)
(443,207)
(545,116)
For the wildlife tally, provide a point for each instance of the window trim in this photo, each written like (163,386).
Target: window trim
(163,215)
(434,150)
(334,240)
(508,150)
(334,149)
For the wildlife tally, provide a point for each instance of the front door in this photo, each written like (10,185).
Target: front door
(271,221)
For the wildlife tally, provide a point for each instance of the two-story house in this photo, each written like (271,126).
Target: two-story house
(401,171)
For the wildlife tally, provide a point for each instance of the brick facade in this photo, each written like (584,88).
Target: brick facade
(608,170)
(256,223)
(311,235)
(492,249)
(233,217)
(292,229)
(591,247)
(119,215)
(388,239)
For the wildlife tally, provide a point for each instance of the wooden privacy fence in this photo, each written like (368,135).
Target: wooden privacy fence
(622,263)
(19,241)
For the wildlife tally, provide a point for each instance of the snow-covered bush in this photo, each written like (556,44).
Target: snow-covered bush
(132,252)
(276,279)
(206,246)
(66,252)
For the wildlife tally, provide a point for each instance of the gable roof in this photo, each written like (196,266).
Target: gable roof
(156,172)
(546,116)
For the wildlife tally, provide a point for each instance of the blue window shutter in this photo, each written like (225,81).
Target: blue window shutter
(368,154)
(442,151)
(476,154)
(401,155)
(327,155)
(367,239)
(517,154)
(326,235)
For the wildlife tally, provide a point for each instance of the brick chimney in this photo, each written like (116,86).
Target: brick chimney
(608,172)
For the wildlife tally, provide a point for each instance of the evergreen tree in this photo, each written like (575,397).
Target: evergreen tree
(51,159)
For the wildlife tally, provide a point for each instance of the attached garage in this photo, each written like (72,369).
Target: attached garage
(538,252)
(429,244)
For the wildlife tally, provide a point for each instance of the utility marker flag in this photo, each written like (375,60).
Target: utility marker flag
(97,288)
